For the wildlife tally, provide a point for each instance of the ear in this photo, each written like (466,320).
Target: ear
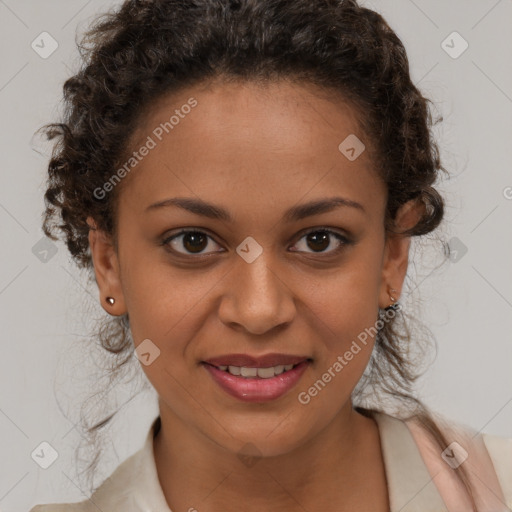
(106,268)
(396,253)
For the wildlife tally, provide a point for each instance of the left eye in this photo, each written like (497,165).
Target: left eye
(195,242)
(321,239)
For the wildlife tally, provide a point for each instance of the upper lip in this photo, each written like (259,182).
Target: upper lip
(265,361)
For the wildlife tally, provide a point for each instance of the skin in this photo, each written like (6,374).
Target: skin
(256,151)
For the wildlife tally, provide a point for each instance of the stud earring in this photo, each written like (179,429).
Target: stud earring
(394,304)
(110,300)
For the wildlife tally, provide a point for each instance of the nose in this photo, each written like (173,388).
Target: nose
(257,298)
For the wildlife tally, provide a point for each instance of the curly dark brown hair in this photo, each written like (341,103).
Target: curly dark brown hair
(144,49)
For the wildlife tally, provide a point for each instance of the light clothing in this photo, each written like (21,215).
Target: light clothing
(419,479)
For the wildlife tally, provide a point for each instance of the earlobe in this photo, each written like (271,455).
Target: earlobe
(394,269)
(396,254)
(106,269)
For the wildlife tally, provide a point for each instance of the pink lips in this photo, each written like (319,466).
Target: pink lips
(257,389)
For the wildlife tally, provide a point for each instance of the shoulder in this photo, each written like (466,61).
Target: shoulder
(60,507)
(486,458)
(500,452)
(132,487)
(113,494)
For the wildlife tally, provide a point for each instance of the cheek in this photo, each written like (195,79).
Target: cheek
(344,309)
(169,309)
(345,303)
(162,300)
(345,343)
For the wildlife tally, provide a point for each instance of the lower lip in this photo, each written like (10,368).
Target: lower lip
(256,389)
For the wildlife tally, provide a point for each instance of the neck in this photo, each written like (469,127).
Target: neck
(332,468)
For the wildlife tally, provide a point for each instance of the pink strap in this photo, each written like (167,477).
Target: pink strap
(478,464)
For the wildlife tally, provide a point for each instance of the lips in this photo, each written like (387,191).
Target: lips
(264,361)
(256,389)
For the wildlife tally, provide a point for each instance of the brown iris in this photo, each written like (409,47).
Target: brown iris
(318,238)
(195,241)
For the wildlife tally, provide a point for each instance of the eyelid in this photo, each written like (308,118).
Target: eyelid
(324,228)
(184,231)
(341,236)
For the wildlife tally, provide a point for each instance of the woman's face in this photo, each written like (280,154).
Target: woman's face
(253,282)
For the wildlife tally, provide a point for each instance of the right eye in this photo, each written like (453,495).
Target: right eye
(193,241)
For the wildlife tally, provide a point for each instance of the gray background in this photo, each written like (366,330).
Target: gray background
(47,309)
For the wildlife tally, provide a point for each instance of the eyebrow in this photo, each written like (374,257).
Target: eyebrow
(200,207)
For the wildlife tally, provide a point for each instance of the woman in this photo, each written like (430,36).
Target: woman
(244,178)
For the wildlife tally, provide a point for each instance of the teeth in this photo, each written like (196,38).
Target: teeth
(234,370)
(265,373)
(262,373)
(248,372)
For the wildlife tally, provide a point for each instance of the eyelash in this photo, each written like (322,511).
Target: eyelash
(341,238)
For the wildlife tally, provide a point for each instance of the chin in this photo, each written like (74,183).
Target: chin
(266,439)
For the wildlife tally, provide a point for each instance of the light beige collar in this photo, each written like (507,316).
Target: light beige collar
(135,485)
(410,486)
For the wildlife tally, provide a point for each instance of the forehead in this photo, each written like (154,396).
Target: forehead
(248,142)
